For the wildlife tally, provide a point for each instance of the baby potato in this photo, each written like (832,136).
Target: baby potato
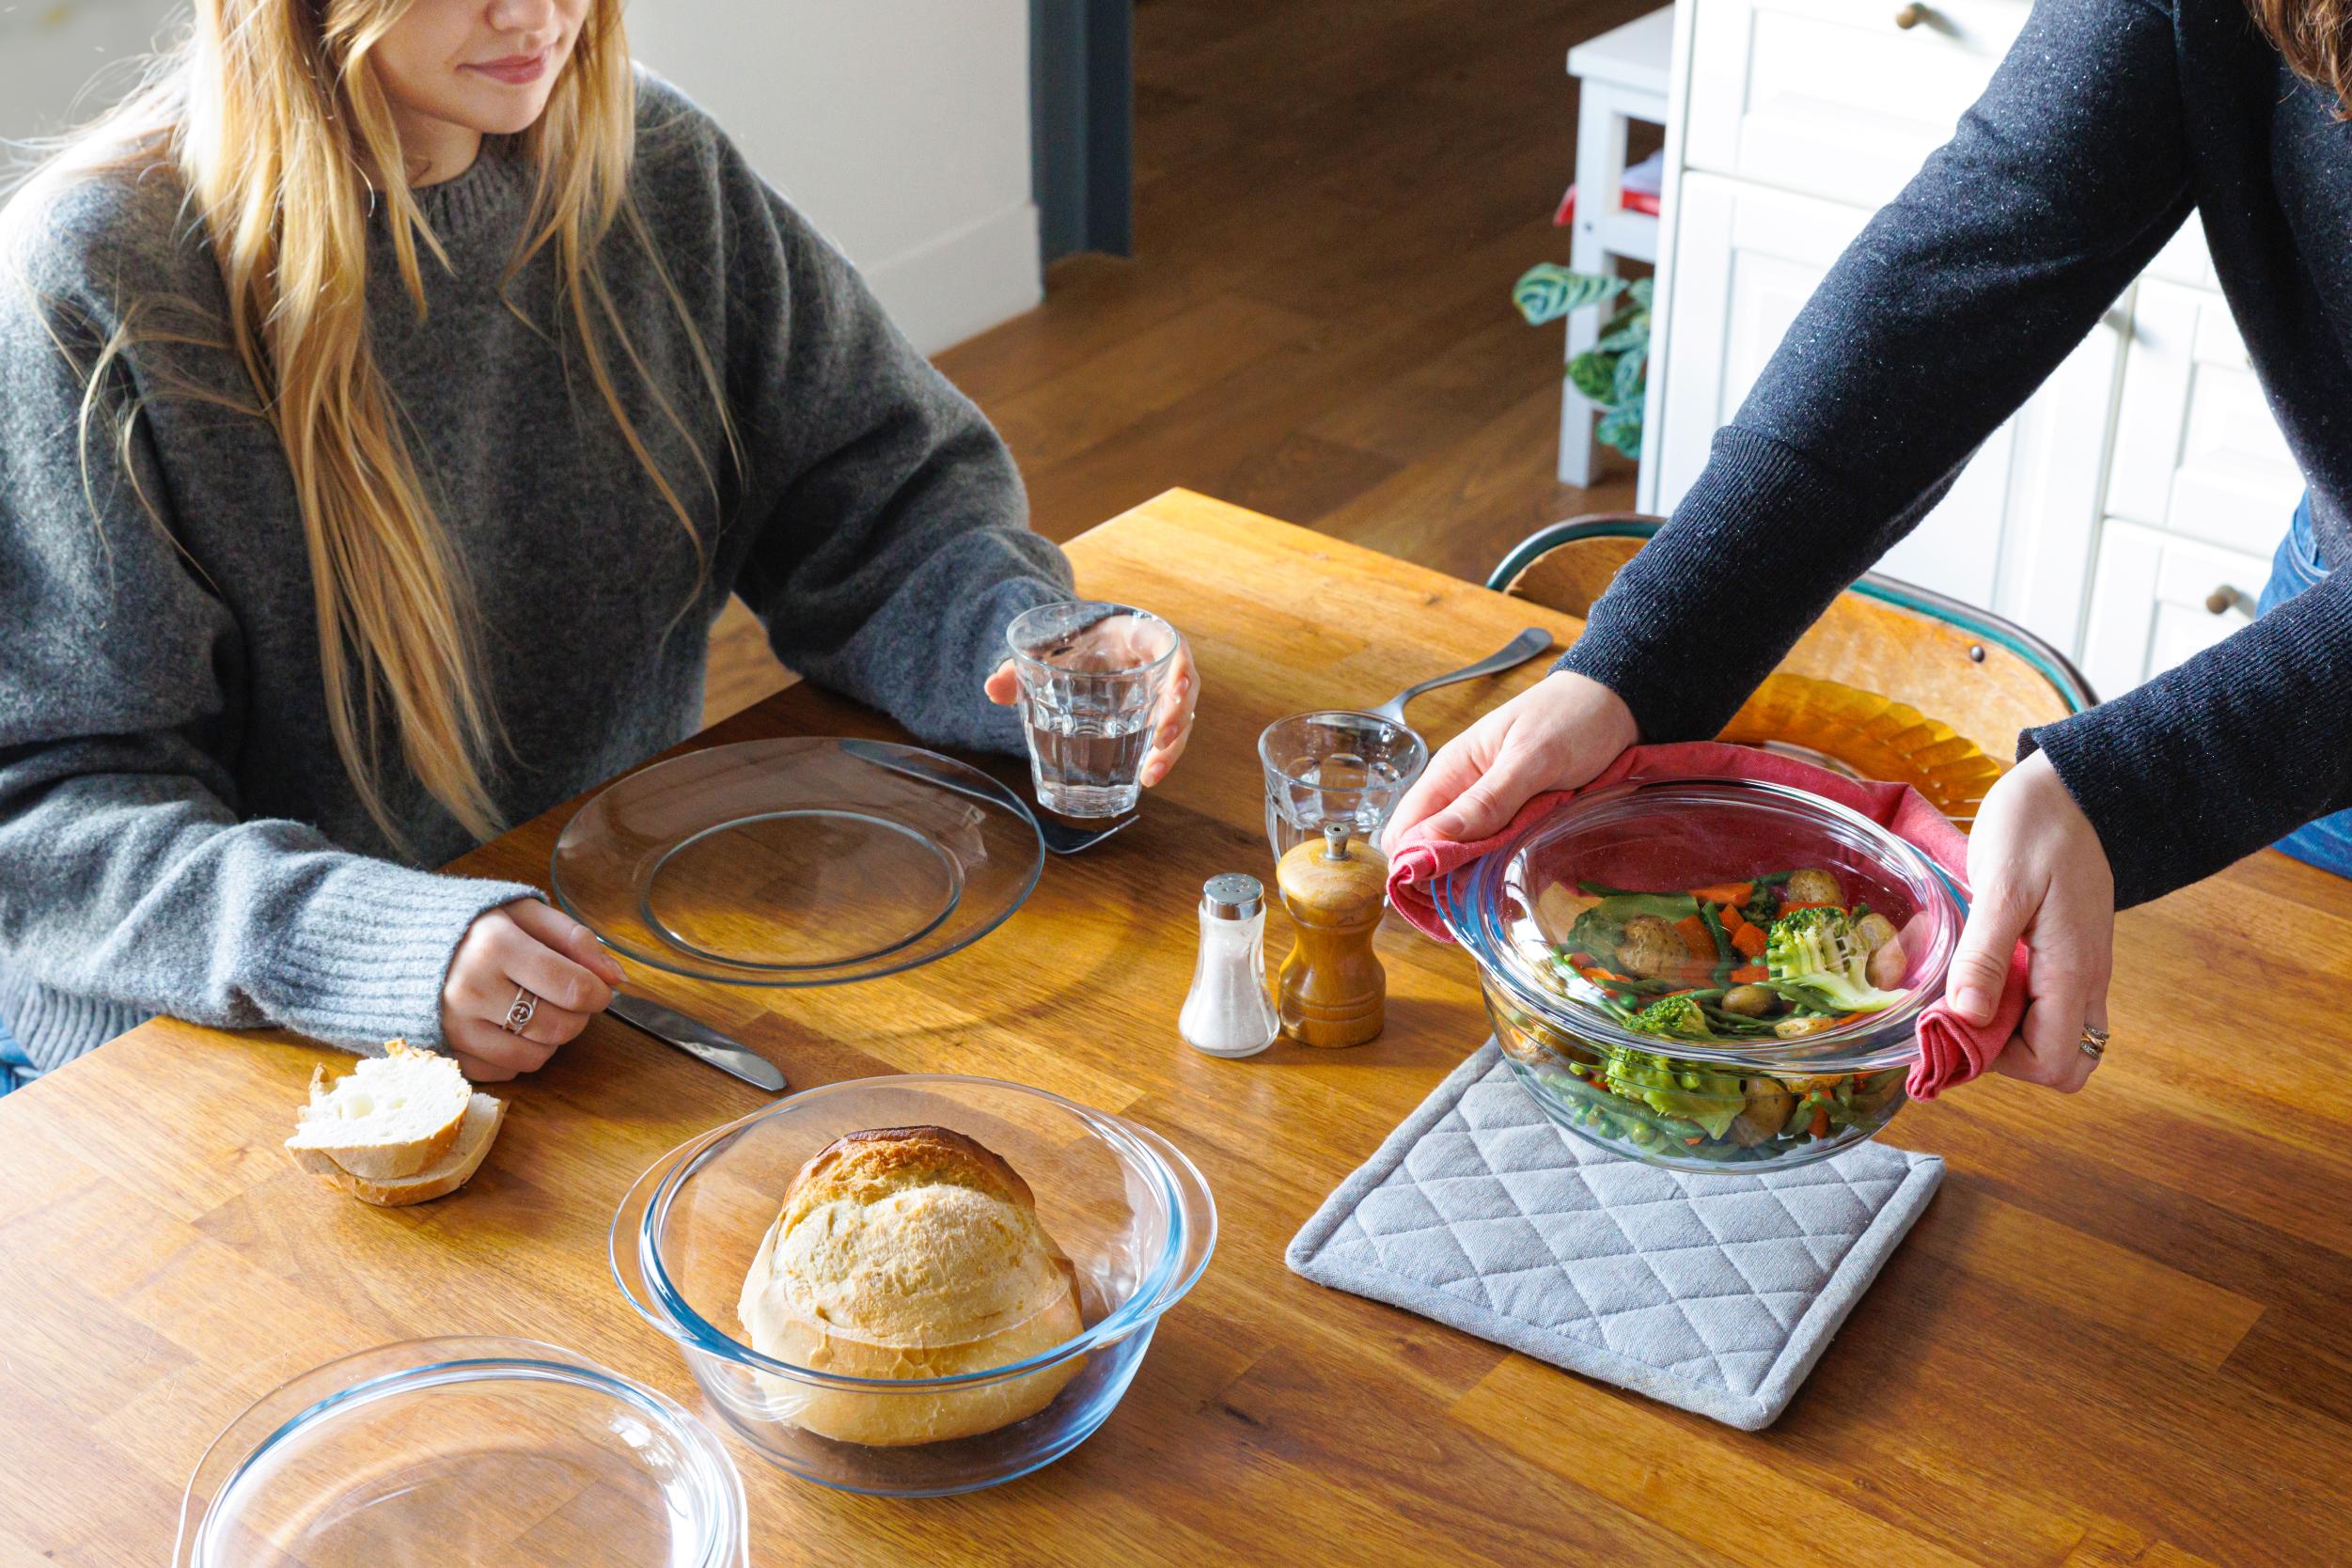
(1796,1029)
(1651,949)
(1765,1113)
(1873,930)
(1814,886)
(1556,911)
(1750,1001)
(1887,964)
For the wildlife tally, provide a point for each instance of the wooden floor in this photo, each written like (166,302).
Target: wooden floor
(1332,198)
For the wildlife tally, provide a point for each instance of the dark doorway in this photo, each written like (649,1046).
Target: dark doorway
(1082,124)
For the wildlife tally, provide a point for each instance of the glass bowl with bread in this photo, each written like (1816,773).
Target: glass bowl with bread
(914,1285)
(1707,973)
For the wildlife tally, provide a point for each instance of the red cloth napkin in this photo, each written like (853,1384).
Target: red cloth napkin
(1952,1049)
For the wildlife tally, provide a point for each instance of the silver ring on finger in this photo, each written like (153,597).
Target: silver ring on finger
(2094,1042)
(520,1011)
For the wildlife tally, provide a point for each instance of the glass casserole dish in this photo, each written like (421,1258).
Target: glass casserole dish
(1689,973)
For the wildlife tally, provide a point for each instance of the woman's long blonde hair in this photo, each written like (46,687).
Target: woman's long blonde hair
(280,130)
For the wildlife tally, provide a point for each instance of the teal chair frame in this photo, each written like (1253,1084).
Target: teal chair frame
(2072,688)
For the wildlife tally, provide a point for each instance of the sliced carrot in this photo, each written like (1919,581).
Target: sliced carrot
(1748,940)
(1694,1138)
(1724,892)
(1601,977)
(1821,1121)
(1697,937)
(1750,974)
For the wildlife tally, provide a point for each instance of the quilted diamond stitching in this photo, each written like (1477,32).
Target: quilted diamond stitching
(1498,1206)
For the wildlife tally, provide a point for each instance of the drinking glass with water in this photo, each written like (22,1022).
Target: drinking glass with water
(1091,675)
(1336,766)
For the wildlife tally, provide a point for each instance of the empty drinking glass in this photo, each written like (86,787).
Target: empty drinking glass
(1337,766)
(1091,675)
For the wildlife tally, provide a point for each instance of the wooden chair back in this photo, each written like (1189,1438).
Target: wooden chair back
(1984,676)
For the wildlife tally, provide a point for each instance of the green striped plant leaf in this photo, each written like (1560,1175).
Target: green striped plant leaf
(1546,291)
(1595,375)
(1620,429)
(1627,384)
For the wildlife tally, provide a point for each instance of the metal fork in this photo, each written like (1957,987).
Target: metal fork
(1519,651)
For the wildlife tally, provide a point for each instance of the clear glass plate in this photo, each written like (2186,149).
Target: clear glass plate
(797,861)
(464,1451)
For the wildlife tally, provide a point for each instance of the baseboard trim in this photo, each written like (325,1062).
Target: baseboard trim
(965,282)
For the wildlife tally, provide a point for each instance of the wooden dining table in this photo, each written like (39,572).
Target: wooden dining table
(2121,1334)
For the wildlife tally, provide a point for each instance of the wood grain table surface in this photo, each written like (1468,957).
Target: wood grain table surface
(2120,1335)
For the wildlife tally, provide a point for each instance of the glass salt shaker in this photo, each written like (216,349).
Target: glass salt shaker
(1228,1013)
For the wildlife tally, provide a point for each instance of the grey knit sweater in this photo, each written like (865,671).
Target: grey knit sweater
(177,833)
(2107,125)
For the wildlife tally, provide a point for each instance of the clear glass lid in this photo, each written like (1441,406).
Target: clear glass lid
(1718,919)
(464,1451)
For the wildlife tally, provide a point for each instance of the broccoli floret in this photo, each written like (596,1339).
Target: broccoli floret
(1686,1091)
(1814,959)
(1676,1017)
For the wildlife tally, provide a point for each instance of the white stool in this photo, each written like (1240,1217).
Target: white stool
(1623,75)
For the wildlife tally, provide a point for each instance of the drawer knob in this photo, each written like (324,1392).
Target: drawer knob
(2222,600)
(1910,16)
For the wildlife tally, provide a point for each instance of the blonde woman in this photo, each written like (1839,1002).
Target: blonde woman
(390,396)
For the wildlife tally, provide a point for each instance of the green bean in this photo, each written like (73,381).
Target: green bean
(1726,956)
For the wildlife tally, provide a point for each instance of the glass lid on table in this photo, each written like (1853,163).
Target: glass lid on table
(469,1449)
(1712,911)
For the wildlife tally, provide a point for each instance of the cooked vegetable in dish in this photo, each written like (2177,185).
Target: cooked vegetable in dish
(1776,957)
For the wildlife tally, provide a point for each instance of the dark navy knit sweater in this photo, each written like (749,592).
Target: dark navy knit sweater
(2109,124)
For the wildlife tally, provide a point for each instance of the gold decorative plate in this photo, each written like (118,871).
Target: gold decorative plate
(1866,735)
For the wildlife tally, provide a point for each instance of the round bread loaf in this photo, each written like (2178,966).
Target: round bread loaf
(910,1253)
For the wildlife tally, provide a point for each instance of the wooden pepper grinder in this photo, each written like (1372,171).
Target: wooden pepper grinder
(1332,989)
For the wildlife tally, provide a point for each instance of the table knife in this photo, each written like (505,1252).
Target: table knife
(673,1027)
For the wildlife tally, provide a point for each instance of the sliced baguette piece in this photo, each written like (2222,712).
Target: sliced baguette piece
(483,1116)
(390,1117)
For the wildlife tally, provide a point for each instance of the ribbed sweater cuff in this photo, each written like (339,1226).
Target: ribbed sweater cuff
(55,1028)
(2075,746)
(364,959)
(1687,631)
(999,729)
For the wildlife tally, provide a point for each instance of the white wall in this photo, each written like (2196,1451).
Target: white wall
(50,51)
(900,127)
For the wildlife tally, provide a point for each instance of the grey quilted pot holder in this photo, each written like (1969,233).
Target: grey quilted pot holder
(1716,1293)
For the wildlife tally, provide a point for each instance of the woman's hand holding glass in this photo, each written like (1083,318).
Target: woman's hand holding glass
(1120,642)
(2037,869)
(524,945)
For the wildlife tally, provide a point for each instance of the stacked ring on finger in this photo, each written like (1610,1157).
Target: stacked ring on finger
(520,1011)
(2094,1042)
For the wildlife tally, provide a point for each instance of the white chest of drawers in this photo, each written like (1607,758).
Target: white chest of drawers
(2142,482)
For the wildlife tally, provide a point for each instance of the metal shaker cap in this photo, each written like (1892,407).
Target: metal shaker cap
(1233,896)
